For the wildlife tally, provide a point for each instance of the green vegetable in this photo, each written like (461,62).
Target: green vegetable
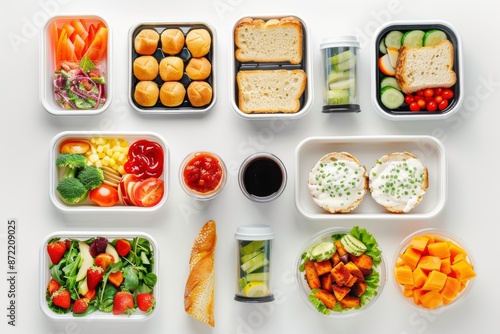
(91,177)
(72,162)
(71,190)
(391,97)
(318,304)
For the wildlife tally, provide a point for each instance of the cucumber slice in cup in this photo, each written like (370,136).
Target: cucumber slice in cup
(413,39)
(434,37)
(391,98)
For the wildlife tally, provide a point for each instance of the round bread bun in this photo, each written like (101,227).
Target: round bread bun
(172,94)
(171,68)
(398,181)
(199,93)
(145,68)
(146,42)
(198,42)
(338,182)
(172,41)
(198,68)
(146,93)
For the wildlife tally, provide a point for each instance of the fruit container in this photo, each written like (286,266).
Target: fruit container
(140,243)
(367,149)
(254,251)
(306,98)
(85,40)
(202,185)
(134,164)
(153,87)
(442,269)
(383,60)
(341,261)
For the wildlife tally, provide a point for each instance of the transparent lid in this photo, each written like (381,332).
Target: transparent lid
(345,41)
(254,232)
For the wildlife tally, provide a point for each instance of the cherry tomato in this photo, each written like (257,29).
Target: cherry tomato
(409,99)
(421,103)
(428,99)
(429,92)
(443,104)
(149,192)
(447,94)
(104,195)
(438,99)
(431,106)
(420,92)
(438,91)
(414,106)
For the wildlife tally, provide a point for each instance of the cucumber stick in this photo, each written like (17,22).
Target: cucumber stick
(252,247)
(253,261)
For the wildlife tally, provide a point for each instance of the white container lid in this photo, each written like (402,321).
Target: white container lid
(339,41)
(254,232)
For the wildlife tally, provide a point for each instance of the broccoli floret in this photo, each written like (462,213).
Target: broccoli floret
(91,177)
(71,190)
(72,162)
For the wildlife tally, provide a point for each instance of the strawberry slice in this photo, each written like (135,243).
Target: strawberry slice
(122,247)
(62,298)
(56,250)
(94,276)
(53,286)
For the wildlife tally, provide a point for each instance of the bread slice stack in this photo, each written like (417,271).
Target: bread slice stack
(426,67)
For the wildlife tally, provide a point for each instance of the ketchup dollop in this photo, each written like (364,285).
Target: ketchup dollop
(203,173)
(145,159)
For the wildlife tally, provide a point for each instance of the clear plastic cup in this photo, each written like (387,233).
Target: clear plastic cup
(340,83)
(253,263)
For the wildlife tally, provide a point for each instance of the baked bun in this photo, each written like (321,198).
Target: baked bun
(146,42)
(338,182)
(172,94)
(198,41)
(145,68)
(198,68)
(171,68)
(199,93)
(172,41)
(146,93)
(398,181)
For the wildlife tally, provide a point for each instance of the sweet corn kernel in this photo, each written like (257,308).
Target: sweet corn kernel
(93,157)
(115,155)
(98,163)
(101,155)
(111,162)
(109,152)
(100,149)
(100,141)
(121,170)
(121,158)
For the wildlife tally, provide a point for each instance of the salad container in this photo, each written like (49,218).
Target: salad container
(75,65)
(436,289)
(195,68)
(140,243)
(382,74)
(340,272)
(135,164)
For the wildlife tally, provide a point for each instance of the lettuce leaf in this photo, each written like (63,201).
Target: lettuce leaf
(318,304)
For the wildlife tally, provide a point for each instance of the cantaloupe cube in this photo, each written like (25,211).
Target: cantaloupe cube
(411,256)
(404,275)
(439,249)
(463,270)
(435,281)
(429,263)
(419,277)
(445,265)
(450,289)
(431,299)
(419,242)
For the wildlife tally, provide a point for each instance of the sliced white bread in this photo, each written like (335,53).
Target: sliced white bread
(275,40)
(398,181)
(338,182)
(270,91)
(426,67)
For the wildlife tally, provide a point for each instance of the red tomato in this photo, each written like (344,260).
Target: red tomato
(104,195)
(421,103)
(438,99)
(420,92)
(409,99)
(438,91)
(431,106)
(447,94)
(414,106)
(149,192)
(443,105)
(429,92)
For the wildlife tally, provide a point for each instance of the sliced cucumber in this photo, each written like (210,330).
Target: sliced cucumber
(263,276)
(352,245)
(258,265)
(252,247)
(345,65)
(391,98)
(323,251)
(393,39)
(413,38)
(343,84)
(389,82)
(381,47)
(433,37)
(242,282)
(249,256)
(334,76)
(338,96)
(341,57)
(252,262)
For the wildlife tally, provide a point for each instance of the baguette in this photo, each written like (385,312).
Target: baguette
(200,285)
(426,67)
(277,40)
(409,181)
(270,91)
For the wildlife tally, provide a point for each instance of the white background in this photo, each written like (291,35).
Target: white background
(470,138)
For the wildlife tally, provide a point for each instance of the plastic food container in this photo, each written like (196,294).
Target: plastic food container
(411,252)
(403,112)
(330,261)
(116,146)
(262,177)
(174,97)
(206,185)
(340,83)
(254,251)
(367,149)
(45,276)
(306,98)
(84,26)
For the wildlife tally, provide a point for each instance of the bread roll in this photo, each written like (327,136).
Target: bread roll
(146,42)
(199,93)
(171,68)
(198,42)
(172,94)
(172,41)
(199,292)
(198,68)
(145,68)
(146,93)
